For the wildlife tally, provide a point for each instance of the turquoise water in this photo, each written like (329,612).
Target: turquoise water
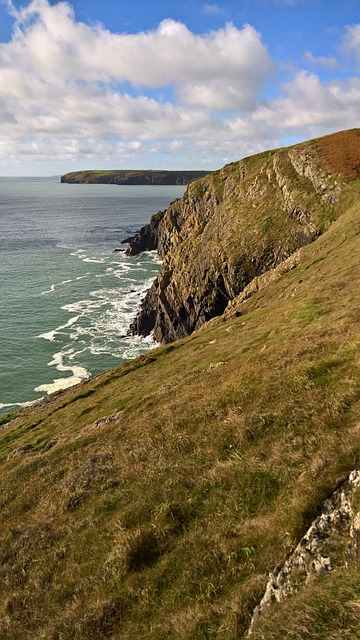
(66,299)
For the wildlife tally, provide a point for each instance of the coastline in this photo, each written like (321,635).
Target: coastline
(80,374)
(134,177)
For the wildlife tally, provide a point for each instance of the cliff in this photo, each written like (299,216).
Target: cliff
(131,177)
(238,223)
(209,489)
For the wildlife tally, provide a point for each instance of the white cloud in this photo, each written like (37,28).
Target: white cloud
(49,39)
(62,96)
(61,84)
(321,61)
(308,107)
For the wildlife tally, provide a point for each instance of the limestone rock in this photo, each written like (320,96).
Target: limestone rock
(332,540)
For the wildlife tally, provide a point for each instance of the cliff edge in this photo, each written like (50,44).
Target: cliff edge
(238,223)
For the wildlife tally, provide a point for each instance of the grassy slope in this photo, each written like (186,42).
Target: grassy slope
(241,221)
(164,521)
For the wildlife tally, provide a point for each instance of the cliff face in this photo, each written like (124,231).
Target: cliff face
(146,239)
(132,177)
(238,223)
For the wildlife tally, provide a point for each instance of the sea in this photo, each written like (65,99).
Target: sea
(66,298)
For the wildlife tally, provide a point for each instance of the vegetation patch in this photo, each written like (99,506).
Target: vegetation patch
(310,311)
(323,372)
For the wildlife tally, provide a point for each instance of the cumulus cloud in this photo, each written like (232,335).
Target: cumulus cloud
(75,92)
(69,86)
(48,39)
(308,107)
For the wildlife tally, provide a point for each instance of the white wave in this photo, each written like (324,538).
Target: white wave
(107,332)
(125,265)
(98,260)
(55,286)
(82,307)
(100,322)
(78,252)
(51,335)
(30,403)
(51,290)
(78,375)
(75,354)
(154,256)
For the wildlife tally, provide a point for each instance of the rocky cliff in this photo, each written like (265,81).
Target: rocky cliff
(132,177)
(237,224)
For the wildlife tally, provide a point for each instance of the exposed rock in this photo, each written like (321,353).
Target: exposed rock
(259,283)
(228,230)
(107,420)
(146,239)
(332,540)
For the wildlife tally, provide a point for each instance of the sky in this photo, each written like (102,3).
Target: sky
(90,84)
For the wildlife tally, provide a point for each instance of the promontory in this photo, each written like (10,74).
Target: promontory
(131,176)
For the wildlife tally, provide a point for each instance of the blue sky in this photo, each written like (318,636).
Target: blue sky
(171,84)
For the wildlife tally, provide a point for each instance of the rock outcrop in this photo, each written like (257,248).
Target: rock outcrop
(132,177)
(263,281)
(146,239)
(237,224)
(332,541)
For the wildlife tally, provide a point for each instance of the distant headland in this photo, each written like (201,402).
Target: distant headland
(128,177)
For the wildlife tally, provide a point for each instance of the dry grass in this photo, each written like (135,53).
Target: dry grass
(153,500)
(329,608)
(340,153)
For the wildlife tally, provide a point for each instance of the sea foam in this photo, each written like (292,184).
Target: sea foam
(99,323)
(51,335)
(79,374)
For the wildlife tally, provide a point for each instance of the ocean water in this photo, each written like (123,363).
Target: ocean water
(66,299)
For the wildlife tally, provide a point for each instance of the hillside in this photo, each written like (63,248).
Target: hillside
(130,176)
(154,500)
(238,223)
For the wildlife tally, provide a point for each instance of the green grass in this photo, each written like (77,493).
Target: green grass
(245,219)
(153,500)
(123,175)
(310,311)
(4,419)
